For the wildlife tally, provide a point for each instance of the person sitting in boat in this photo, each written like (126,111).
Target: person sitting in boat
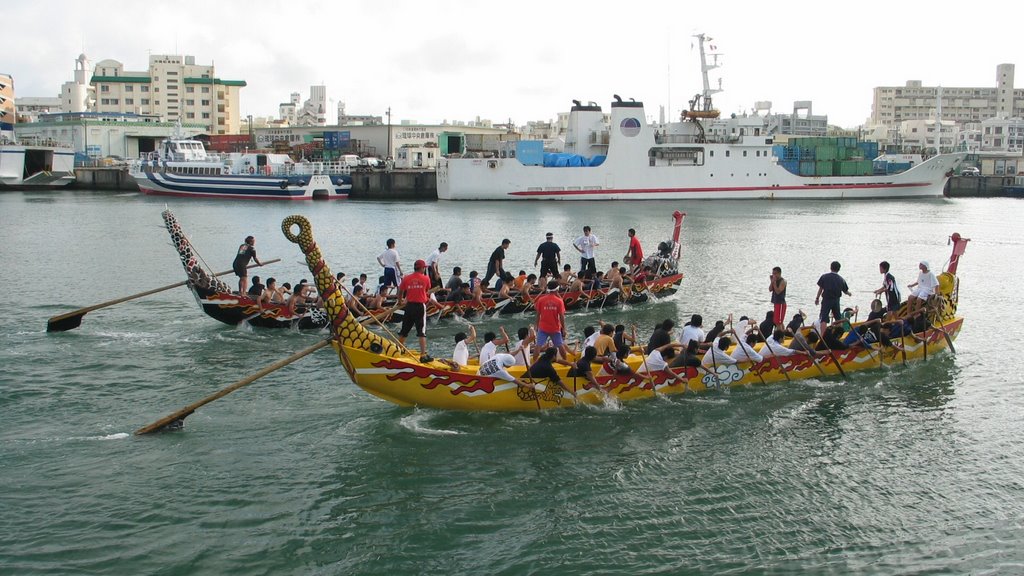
(566,278)
(773,345)
(623,340)
(460,356)
(461,294)
(455,282)
(480,292)
(605,344)
(614,276)
(805,343)
(692,330)
(507,283)
(543,367)
(715,332)
(497,367)
(257,287)
(490,347)
(717,355)
(520,281)
(269,293)
(767,326)
(283,293)
(522,349)
(583,369)
(745,351)
(922,289)
(832,339)
(300,297)
(661,335)
(660,360)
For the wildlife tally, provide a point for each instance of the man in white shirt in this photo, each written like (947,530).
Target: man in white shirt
(522,349)
(497,367)
(773,346)
(692,331)
(490,348)
(717,355)
(585,246)
(388,260)
(434,265)
(922,289)
(657,361)
(460,356)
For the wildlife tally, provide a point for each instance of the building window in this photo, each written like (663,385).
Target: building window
(104,88)
(205,102)
(145,102)
(206,115)
(190,115)
(145,88)
(129,88)
(129,101)
(190,102)
(172,100)
(206,89)
(190,89)
(220,121)
(172,73)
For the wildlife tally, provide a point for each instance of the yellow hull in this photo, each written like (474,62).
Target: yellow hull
(385,369)
(406,382)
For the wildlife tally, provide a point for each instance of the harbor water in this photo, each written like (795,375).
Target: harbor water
(914,469)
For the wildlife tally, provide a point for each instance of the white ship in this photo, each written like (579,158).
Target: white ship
(701,156)
(35,164)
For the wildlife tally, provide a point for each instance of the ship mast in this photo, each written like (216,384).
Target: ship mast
(705,67)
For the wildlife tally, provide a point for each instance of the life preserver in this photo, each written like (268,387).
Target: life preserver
(252,170)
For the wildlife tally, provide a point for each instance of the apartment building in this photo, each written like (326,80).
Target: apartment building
(892,105)
(175,88)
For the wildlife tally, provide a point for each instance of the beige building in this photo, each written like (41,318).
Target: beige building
(894,104)
(175,88)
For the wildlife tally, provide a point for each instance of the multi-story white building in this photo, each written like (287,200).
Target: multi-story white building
(914,101)
(1003,135)
(174,88)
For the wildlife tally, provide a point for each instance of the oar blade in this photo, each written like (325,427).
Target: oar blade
(64,322)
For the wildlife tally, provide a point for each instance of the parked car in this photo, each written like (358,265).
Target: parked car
(971,171)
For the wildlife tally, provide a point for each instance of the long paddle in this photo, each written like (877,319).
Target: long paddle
(175,420)
(821,337)
(72,320)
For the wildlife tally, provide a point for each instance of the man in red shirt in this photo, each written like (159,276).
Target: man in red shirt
(413,292)
(551,319)
(635,253)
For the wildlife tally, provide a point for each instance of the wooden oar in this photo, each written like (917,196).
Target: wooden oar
(72,320)
(821,338)
(175,420)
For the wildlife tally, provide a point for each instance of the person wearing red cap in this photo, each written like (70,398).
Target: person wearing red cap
(414,293)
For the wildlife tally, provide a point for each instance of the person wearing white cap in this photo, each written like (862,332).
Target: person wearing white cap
(923,288)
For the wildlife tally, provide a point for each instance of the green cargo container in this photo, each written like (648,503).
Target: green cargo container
(826,152)
(807,168)
(823,167)
(867,167)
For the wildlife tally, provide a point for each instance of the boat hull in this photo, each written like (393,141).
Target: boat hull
(406,382)
(632,179)
(26,167)
(232,309)
(244,186)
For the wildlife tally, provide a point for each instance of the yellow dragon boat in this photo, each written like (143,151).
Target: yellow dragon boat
(384,368)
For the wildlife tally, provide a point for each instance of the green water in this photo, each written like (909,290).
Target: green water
(905,470)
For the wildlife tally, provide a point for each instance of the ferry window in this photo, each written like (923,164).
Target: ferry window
(711,153)
(727,153)
(744,153)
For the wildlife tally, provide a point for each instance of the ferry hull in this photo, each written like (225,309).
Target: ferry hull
(245,187)
(24,167)
(759,178)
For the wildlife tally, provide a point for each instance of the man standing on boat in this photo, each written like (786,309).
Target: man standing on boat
(585,246)
(388,259)
(635,253)
(831,288)
(246,252)
(495,265)
(777,286)
(550,256)
(434,265)
(889,287)
(414,293)
(551,319)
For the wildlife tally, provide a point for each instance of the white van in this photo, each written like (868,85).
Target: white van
(350,160)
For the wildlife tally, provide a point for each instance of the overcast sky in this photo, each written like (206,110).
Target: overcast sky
(525,60)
